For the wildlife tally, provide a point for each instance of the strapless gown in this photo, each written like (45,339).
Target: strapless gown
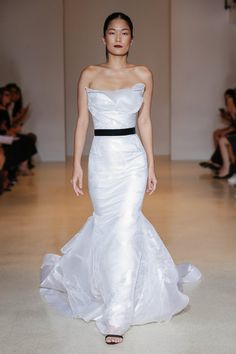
(116,270)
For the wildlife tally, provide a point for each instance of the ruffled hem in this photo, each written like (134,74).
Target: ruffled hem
(90,283)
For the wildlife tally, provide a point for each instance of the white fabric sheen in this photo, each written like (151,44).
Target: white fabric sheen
(116,269)
(115,109)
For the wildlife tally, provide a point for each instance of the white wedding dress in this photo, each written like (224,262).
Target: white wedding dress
(116,270)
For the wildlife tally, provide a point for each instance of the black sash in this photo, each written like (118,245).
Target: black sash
(124,131)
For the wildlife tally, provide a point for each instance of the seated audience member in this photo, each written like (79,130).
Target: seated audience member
(228,154)
(18,115)
(2,175)
(215,162)
(4,127)
(17,153)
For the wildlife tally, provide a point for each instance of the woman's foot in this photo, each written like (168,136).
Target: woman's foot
(226,173)
(113,338)
(24,169)
(26,172)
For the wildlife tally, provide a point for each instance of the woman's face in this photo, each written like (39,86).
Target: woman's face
(229,103)
(15,95)
(118,37)
(6,98)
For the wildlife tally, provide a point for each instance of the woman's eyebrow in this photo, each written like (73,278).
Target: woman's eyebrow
(111,28)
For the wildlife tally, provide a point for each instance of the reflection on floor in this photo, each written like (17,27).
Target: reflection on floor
(195,216)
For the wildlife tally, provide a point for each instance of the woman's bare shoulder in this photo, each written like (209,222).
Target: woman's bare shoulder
(88,72)
(144,74)
(143,71)
(86,75)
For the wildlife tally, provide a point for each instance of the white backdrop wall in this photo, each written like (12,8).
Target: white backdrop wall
(83,45)
(31,45)
(202,62)
(203,54)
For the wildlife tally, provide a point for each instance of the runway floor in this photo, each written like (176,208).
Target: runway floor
(195,216)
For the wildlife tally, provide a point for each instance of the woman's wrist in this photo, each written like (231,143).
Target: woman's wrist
(151,163)
(76,167)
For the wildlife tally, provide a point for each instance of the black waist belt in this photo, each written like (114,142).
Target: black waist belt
(124,131)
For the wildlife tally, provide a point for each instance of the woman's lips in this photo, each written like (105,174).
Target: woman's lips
(118,46)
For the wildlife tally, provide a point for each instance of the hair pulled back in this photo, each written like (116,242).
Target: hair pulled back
(112,17)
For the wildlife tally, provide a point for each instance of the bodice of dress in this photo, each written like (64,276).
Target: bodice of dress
(115,109)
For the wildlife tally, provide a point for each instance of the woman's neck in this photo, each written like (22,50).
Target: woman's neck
(117,62)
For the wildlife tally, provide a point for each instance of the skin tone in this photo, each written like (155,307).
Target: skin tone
(115,73)
(20,117)
(6,100)
(219,134)
(224,144)
(227,115)
(2,156)
(227,156)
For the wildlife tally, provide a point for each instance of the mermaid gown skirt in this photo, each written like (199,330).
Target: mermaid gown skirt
(116,269)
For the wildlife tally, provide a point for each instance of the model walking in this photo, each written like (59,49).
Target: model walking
(116,270)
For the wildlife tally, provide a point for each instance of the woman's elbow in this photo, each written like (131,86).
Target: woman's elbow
(83,121)
(144,121)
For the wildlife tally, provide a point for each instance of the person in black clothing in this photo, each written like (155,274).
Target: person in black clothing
(7,164)
(216,161)
(20,150)
(18,115)
(228,154)
(16,110)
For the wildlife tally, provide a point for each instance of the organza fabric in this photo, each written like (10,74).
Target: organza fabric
(116,270)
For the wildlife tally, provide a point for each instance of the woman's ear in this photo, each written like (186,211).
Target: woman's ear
(103,40)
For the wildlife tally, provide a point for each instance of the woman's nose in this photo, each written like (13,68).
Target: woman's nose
(118,37)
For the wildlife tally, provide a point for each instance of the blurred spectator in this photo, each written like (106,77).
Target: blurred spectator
(14,156)
(18,116)
(228,152)
(229,114)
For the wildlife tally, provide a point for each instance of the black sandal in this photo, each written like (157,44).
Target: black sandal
(206,164)
(229,174)
(113,335)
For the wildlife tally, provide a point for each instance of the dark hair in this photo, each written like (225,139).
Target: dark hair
(231,93)
(12,85)
(19,103)
(112,17)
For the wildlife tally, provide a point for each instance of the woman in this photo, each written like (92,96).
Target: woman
(9,153)
(229,115)
(228,153)
(18,114)
(216,162)
(116,270)
(21,149)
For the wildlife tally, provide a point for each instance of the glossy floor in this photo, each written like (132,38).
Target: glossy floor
(195,216)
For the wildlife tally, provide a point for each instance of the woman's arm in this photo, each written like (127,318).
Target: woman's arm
(145,127)
(81,130)
(20,117)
